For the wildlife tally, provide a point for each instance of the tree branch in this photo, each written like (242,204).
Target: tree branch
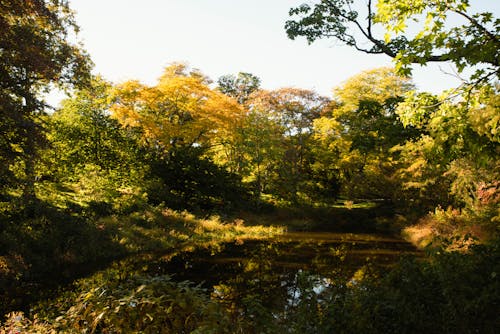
(492,36)
(369,17)
(368,35)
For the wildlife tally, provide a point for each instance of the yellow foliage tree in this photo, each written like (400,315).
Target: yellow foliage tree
(180,111)
(377,85)
(355,140)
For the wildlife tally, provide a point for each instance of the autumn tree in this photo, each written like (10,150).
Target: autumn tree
(180,121)
(293,111)
(180,111)
(355,139)
(35,52)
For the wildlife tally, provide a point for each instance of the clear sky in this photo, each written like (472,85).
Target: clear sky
(131,39)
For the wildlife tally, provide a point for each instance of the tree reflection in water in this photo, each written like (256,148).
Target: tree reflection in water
(276,281)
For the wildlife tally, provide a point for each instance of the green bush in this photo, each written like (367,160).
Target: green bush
(113,302)
(453,292)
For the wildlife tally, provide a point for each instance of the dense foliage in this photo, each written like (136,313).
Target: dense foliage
(413,32)
(97,178)
(35,53)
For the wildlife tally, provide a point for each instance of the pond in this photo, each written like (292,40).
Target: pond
(280,285)
(277,274)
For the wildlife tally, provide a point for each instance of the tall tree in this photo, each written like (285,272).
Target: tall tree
(293,111)
(240,87)
(180,122)
(258,148)
(83,132)
(356,138)
(35,52)
(91,154)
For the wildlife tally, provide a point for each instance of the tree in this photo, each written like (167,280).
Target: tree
(180,121)
(258,148)
(293,111)
(35,53)
(447,31)
(356,138)
(90,156)
(180,111)
(456,159)
(82,131)
(366,109)
(229,151)
(239,87)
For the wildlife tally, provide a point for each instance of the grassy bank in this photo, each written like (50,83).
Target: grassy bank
(72,246)
(449,292)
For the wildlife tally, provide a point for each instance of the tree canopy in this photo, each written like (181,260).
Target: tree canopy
(181,110)
(410,32)
(35,52)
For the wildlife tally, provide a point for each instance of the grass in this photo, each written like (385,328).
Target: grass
(56,241)
(160,229)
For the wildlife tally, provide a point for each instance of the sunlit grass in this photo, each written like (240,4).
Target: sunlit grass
(349,204)
(157,229)
(450,228)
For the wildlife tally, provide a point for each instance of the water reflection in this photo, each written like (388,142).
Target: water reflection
(295,270)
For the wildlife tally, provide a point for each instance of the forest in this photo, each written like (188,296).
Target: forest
(108,200)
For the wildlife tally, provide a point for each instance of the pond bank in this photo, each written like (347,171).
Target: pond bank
(231,276)
(161,231)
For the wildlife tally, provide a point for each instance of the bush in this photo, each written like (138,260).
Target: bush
(111,303)
(453,292)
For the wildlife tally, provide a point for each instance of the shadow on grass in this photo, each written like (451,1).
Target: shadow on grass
(361,218)
(46,247)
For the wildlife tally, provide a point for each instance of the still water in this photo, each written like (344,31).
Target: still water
(277,273)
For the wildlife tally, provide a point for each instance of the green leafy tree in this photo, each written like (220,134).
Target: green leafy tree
(455,161)
(35,52)
(356,139)
(82,130)
(90,154)
(293,111)
(416,32)
(258,142)
(239,87)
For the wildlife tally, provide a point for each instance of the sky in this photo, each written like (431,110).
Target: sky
(131,39)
